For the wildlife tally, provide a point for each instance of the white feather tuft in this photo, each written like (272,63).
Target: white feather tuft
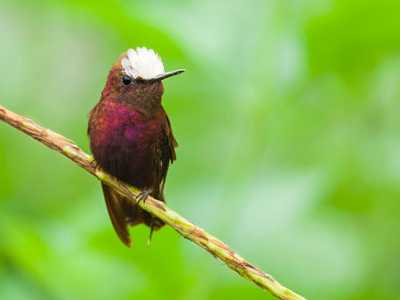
(143,63)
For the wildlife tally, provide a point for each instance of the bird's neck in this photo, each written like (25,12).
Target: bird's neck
(143,97)
(148,109)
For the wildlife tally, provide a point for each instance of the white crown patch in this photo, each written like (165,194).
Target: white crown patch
(143,63)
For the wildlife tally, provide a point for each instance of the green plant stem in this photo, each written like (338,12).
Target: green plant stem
(184,227)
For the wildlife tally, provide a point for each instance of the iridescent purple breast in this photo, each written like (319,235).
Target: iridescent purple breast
(123,142)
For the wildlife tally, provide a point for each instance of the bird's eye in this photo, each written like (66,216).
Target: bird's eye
(126,80)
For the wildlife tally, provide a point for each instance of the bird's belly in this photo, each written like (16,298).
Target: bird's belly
(127,152)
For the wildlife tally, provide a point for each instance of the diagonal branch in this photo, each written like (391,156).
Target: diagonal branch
(184,227)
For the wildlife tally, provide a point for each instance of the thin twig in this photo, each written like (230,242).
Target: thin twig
(184,227)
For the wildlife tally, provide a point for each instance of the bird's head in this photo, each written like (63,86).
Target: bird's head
(137,78)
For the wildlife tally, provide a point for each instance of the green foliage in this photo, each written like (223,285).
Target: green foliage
(289,148)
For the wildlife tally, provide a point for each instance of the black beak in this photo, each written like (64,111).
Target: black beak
(167,74)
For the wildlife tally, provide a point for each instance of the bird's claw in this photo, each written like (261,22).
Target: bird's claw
(142,196)
(94,163)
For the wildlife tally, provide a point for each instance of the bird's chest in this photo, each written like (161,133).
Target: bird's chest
(124,141)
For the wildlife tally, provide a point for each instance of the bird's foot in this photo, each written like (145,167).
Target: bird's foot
(143,195)
(94,163)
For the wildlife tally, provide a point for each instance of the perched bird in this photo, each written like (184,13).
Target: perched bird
(131,136)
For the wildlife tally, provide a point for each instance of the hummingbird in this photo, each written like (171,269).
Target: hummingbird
(131,137)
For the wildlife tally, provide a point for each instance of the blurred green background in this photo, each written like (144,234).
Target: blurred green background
(288,123)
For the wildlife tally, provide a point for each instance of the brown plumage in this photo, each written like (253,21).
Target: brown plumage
(131,138)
